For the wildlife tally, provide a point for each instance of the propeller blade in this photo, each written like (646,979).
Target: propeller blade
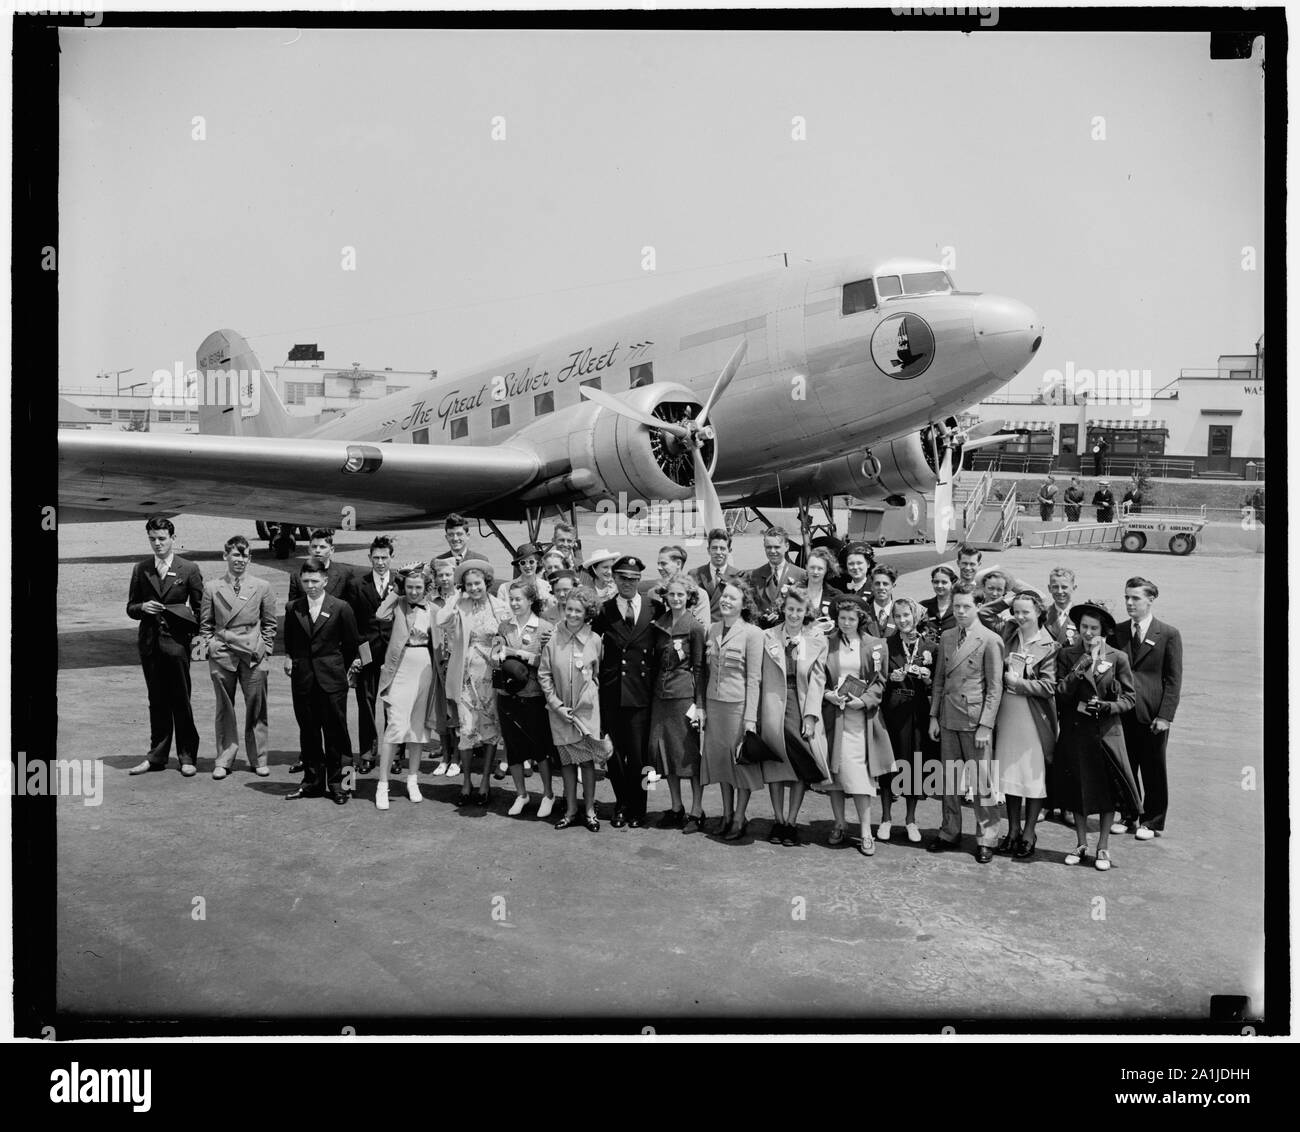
(724,379)
(706,496)
(983,428)
(971,445)
(943,503)
(614,405)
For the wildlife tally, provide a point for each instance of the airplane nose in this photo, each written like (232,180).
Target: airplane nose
(1007,333)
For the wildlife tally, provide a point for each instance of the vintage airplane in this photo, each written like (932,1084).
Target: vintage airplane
(843,377)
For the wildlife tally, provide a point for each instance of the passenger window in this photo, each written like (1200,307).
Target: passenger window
(420,436)
(543,403)
(643,374)
(926,283)
(459,427)
(887,286)
(594,382)
(859,296)
(500,416)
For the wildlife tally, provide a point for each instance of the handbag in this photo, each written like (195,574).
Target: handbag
(752,751)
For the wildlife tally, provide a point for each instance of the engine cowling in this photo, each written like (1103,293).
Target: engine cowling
(624,458)
(909,464)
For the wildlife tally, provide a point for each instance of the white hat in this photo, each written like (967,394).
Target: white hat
(601,555)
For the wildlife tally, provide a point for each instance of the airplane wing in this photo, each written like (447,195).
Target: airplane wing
(292,480)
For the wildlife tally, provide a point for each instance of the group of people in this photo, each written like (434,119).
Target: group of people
(791,678)
(1103,499)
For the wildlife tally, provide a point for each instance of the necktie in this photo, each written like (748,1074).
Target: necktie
(961,637)
(161,567)
(627,612)
(1137,631)
(236,585)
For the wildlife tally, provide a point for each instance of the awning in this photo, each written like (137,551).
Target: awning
(1131,424)
(1028,426)
(1220,412)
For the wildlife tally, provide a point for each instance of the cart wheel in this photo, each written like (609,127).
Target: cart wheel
(1193,538)
(881,542)
(1181,544)
(1134,541)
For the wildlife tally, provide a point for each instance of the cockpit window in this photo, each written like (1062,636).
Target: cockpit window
(887,286)
(927,283)
(859,296)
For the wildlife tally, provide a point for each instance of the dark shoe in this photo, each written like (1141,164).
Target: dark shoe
(367,765)
(1025,850)
(592,824)
(735,834)
(983,854)
(302,792)
(618,821)
(296,768)
(566,821)
(837,836)
(939,845)
(466,797)
(338,797)
(635,823)
(1008,845)
(790,837)
(672,819)
(777,833)
(694,822)
(483,797)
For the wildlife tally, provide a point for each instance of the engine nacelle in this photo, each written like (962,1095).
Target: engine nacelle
(625,458)
(909,464)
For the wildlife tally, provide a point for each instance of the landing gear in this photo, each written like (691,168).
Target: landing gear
(811,532)
(283,545)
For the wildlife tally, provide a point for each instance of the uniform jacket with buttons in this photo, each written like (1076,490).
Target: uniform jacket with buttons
(627,661)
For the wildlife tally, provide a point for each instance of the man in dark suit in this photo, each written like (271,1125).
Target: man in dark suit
(364,593)
(166,597)
(1155,652)
(456,528)
(963,708)
(1061,585)
(627,672)
(771,580)
(717,571)
(321,647)
(336,573)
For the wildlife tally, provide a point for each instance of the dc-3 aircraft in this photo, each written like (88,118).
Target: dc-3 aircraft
(841,377)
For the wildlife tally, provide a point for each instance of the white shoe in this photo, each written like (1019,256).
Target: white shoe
(453,770)
(913,833)
(1144,833)
(141,768)
(883,830)
(1079,853)
(413,788)
(544,807)
(1119,827)
(219,772)
(440,769)
(1102,863)
(517,806)
(381,795)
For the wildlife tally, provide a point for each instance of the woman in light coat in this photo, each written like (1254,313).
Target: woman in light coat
(790,712)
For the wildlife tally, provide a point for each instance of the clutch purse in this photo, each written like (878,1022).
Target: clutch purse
(753,750)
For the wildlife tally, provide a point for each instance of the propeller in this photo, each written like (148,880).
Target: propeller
(943,503)
(692,432)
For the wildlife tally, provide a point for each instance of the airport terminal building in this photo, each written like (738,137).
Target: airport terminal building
(1208,422)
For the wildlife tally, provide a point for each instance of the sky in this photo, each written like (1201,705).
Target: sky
(467,247)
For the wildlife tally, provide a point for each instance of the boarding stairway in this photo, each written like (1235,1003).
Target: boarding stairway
(1099,534)
(985,522)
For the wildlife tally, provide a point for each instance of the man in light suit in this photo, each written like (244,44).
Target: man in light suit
(237,626)
(963,707)
(771,580)
(879,618)
(1155,652)
(364,592)
(165,596)
(717,571)
(321,647)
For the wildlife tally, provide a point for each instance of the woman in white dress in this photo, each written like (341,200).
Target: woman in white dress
(860,748)
(1025,735)
(404,701)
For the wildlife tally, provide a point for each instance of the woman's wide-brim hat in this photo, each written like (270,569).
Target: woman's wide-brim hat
(469,564)
(602,555)
(1098,609)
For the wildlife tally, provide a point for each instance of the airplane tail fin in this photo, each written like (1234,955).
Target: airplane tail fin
(238,397)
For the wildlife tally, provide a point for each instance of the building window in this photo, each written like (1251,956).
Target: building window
(420,436)
(1240,374)
(500,416)
(297,392)
(544,403)
(107,414)
(644,374)
(859,296)
(1220,440)
(164,416)
(459,427)
(594,382)
(1069,440)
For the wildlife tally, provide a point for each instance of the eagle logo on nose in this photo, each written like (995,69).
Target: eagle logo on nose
(903,346)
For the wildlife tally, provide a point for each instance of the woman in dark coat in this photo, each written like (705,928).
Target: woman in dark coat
(1091,772)
(906,712)
(938,609)
(678,701)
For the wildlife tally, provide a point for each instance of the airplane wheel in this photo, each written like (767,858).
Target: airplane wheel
(284,545)
(263,531)
(1180,544)
(1134,541)
(881,542)
(304,533)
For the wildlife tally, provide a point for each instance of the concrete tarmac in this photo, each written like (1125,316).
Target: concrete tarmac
(192,897)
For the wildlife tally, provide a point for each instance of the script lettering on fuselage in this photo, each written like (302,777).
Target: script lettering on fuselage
(505,387)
